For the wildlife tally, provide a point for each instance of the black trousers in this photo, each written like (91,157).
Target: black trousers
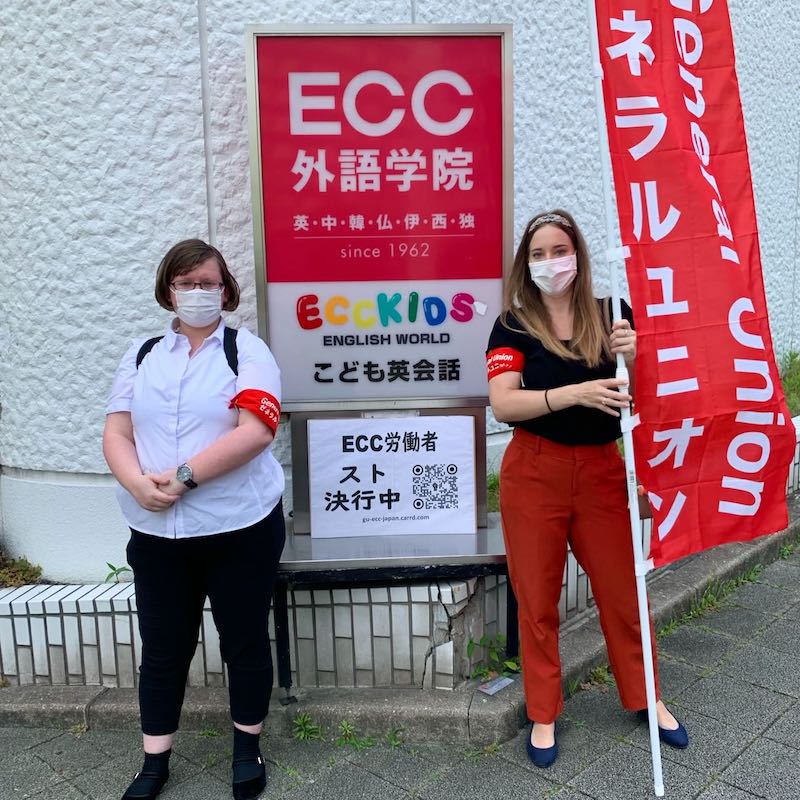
(173,577)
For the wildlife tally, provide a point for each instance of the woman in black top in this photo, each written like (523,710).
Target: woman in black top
(551,375)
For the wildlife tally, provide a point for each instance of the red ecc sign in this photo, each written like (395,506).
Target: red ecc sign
(381,157)
(379,166)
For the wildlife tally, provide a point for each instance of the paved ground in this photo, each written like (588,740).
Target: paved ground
(733,675)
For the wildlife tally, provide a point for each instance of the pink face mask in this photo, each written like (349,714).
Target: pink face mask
(554,276)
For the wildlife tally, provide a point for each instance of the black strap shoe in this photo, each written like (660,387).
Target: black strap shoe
(145,786)
(249,778)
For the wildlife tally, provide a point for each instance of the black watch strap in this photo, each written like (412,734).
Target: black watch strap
(184,475)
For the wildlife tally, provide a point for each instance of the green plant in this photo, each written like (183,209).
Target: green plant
(395,738)
(600,677)
(711,598)
(18,571)
(495,662)
(115,572)
(787,549)
(304,729)
(210,733)
(482,671)
(710,781)
(493,492)
(291,772)
(669,628)
(748,577)
(349,736)
(717,591)
(475,754)
(790,378)
(78,730)
(472,754)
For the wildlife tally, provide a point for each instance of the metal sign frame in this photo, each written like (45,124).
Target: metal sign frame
(253,33)
(301,517)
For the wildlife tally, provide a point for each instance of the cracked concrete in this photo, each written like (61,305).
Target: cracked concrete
(452,600)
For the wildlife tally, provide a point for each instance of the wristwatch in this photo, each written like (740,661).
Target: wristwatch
(184,475)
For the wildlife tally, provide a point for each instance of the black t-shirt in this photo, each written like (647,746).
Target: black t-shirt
(545,370)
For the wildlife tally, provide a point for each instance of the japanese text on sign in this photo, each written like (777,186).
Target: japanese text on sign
(380,174)
(405,476)
(714,432)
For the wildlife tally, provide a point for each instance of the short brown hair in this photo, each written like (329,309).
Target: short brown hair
(184,257)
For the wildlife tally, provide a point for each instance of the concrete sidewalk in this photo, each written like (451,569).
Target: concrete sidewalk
(733,675)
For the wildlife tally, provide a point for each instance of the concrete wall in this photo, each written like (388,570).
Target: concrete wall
(103,159)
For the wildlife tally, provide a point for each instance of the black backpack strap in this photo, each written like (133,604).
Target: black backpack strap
(228,344)
(607,322)
(146,348)
(231,351)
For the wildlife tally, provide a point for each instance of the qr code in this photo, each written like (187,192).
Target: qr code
(434,485)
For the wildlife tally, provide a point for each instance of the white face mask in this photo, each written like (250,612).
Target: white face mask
(554,275)
(198,308)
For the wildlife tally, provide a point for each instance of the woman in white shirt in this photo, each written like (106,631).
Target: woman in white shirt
(189,425)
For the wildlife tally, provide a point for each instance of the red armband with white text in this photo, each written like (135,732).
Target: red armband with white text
(260,403)
(504,359)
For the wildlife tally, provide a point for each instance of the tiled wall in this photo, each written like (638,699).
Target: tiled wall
(406,635)
(85,634)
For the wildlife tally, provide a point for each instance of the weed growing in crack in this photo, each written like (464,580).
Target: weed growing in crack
(304,729)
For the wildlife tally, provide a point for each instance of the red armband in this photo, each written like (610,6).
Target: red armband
(260,403)
(504,359)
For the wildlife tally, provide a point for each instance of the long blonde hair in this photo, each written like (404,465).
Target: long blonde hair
(590,342)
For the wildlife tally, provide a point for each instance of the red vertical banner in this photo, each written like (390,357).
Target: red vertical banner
(715,439)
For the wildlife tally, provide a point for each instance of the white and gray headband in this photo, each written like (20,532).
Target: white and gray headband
(544,219)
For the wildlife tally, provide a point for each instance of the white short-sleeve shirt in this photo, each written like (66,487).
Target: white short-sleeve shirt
(179,406)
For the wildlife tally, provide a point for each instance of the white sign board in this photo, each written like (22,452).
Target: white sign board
(356,360)
(396,475)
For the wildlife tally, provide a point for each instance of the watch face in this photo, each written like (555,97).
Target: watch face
(184,473)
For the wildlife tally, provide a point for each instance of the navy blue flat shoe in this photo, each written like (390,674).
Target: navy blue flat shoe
(679,738)
(543,757)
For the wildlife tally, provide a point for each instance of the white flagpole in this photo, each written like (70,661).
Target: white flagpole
(615,256)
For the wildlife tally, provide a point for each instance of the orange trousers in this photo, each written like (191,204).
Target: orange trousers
(550,495)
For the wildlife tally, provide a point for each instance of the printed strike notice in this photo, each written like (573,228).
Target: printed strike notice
(392,476)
